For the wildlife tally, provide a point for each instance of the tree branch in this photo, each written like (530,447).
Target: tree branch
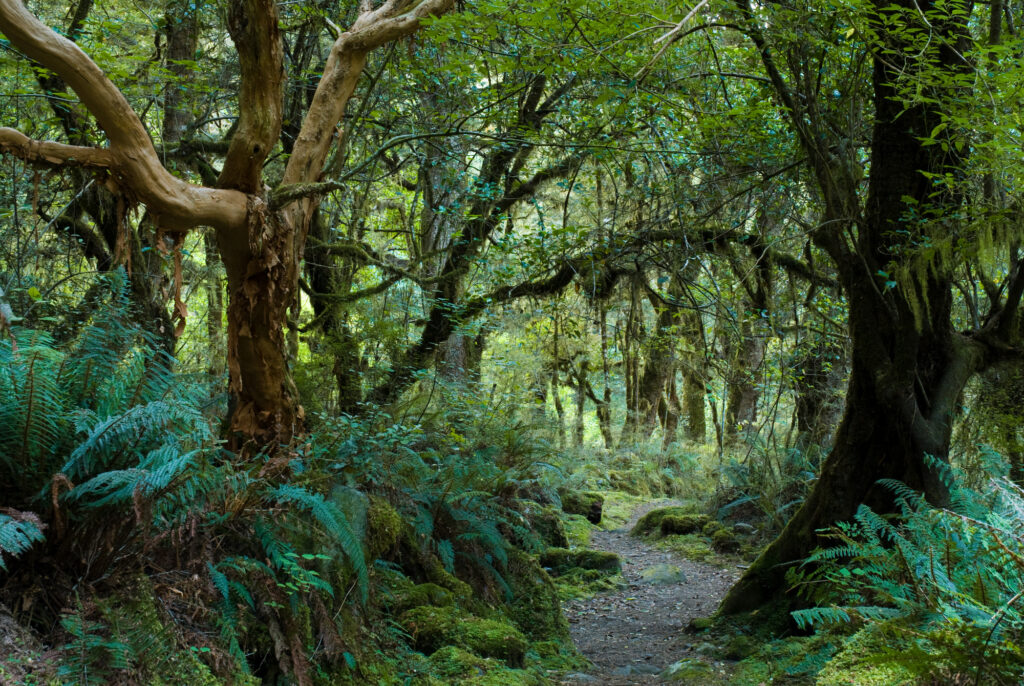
(135,164)
(51,153)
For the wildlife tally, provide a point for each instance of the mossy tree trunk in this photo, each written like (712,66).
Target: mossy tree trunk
(908,366)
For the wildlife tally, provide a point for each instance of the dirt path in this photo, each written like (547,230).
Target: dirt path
(631,635)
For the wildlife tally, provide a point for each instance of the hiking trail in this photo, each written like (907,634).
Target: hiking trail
(632,634)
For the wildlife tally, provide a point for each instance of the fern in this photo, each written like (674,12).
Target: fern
(951,582)
(335,525)
(18,531)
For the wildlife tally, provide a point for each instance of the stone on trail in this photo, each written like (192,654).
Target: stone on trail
(689,670)
(663,574)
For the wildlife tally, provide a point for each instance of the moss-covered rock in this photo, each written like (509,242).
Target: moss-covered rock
(535,606)
(577,530)
(725,541)
(690,671)
(740,647)
(420,595)
(711,527)
(584,503)
(682,524)
(560,560)
(383,527)
(651,522)
(437,574)
(457,666)
(700,624)
(434,627)
(547,523)
(690,546)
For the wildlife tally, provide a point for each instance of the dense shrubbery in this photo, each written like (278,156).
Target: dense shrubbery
(117,486)
(935,592)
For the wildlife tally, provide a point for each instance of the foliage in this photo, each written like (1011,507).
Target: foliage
(946,582)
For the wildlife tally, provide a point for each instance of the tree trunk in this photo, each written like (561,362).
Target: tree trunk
(744,386)
(671,410)
(819,403)
(908,368)
(581,402)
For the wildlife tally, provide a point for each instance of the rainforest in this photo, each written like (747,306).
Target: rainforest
(500,342)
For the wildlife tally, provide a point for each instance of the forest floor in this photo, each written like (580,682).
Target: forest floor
(632,634)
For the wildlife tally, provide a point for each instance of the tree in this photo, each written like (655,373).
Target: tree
(909,364)
(261,236)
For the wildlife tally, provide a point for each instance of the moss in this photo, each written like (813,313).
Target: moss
(457,666)
(682,524)
(690,671)
(690,546)
(383,527)
(619,508)
(434,627)
(584,583)
(856,663)
(700,624)
(547,523)
(740,647)
(586,503)
(651,522)
(794,660)
(437,574)
(577,530)
(711,527)
(560,560)
(725,541)
(535,606)
(420,595)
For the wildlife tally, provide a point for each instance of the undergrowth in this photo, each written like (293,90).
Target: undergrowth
(935,593)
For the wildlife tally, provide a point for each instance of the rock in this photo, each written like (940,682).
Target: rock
(535,607)
(547,524)
(420,595)
(682,524)
(580,676)
(700,624)
(583,503)
(456,665)
(740,647)
(663,574)
(651,521)
(561,561)
(434,627)
(632,670)
(725,541)
(689,671)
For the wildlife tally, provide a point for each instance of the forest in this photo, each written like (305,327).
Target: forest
(500,342)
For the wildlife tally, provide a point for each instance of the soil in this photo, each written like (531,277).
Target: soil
(633,634)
